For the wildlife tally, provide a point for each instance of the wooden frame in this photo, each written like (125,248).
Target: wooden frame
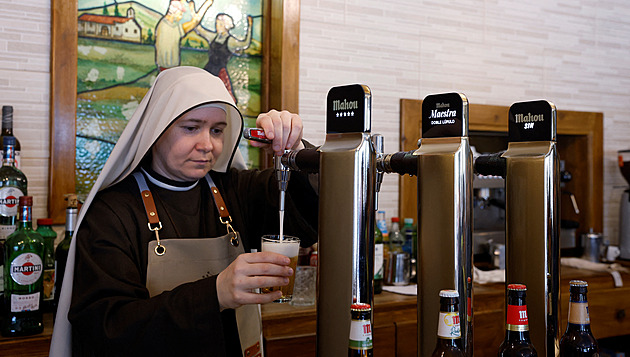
(580,138)
(280,89)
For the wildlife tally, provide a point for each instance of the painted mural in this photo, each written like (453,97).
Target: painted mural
(122,47)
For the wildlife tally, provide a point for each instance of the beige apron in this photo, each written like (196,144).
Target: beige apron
(172,262)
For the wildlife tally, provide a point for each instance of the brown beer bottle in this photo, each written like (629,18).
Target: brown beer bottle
(517,342)
(449,339)
(360,343)
(578,339)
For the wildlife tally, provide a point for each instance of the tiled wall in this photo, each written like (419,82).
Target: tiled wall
(24,84)
(574,53)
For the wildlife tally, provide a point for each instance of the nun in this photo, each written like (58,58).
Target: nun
(163,260)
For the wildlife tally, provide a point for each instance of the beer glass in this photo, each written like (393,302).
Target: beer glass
(288,246)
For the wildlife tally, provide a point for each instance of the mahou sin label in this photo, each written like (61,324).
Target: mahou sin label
(517,318)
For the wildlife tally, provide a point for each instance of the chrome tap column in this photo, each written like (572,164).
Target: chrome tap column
(445,205)
(347,177)
(532,217)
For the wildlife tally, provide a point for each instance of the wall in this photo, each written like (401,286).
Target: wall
(573,53)
(25,84)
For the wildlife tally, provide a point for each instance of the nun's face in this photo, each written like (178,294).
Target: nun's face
(189,148)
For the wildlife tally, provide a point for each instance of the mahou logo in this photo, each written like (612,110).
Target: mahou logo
(26,268)
(9,200)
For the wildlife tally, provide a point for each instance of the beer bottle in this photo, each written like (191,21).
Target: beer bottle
(396,239)
(578,339)
(449,339)
(23,276)
(378,260)
(517,342)
(360,344)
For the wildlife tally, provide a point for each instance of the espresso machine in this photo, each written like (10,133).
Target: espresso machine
(624,207)
(347,184)
(532,188)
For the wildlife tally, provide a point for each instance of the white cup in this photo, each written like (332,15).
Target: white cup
(612,253)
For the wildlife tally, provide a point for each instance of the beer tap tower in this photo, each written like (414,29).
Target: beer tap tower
(532,243)
(445,205)
(347,174)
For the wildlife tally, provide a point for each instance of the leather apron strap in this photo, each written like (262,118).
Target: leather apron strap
(191,259)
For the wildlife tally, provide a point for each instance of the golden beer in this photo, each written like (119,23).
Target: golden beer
(289,247)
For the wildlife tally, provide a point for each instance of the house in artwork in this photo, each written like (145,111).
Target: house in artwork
(111,27)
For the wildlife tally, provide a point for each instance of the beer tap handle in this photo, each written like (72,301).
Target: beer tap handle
(490,164)
(305,160)
(404,162)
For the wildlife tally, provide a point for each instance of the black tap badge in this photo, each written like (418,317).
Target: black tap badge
(349,109)
(445,115)
(532,121)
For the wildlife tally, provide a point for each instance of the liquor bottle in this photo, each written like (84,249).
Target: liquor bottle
(449,338)
(517,342)
(61,254)
(578,339)
(409,232)
(381,223)
(44,228)
(7,130)
(396,239)
(378,260)
(12,185)
(23,272)
(360,343)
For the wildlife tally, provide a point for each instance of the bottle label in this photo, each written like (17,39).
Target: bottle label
(448,325)
(378,261)
(578,313)
(27,268)
(382,226)
(517,318)
(9,200)
(49,285)
(29,302)
(469,308)
(360,335)
(6,230)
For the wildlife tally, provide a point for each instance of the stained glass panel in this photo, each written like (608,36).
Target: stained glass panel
(122,47)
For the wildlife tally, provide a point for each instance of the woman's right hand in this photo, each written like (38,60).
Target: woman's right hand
(237,283)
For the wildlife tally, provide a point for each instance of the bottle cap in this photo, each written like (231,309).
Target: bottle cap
(578,283)
(517,287)
(26,201)
(360,307)
(44,222)
(8,140)
(578,287)
(449,293)
(408,220)
(395,219)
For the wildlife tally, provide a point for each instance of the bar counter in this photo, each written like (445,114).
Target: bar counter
(290,330)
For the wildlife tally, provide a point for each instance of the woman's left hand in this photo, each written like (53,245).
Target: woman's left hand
(283,128)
